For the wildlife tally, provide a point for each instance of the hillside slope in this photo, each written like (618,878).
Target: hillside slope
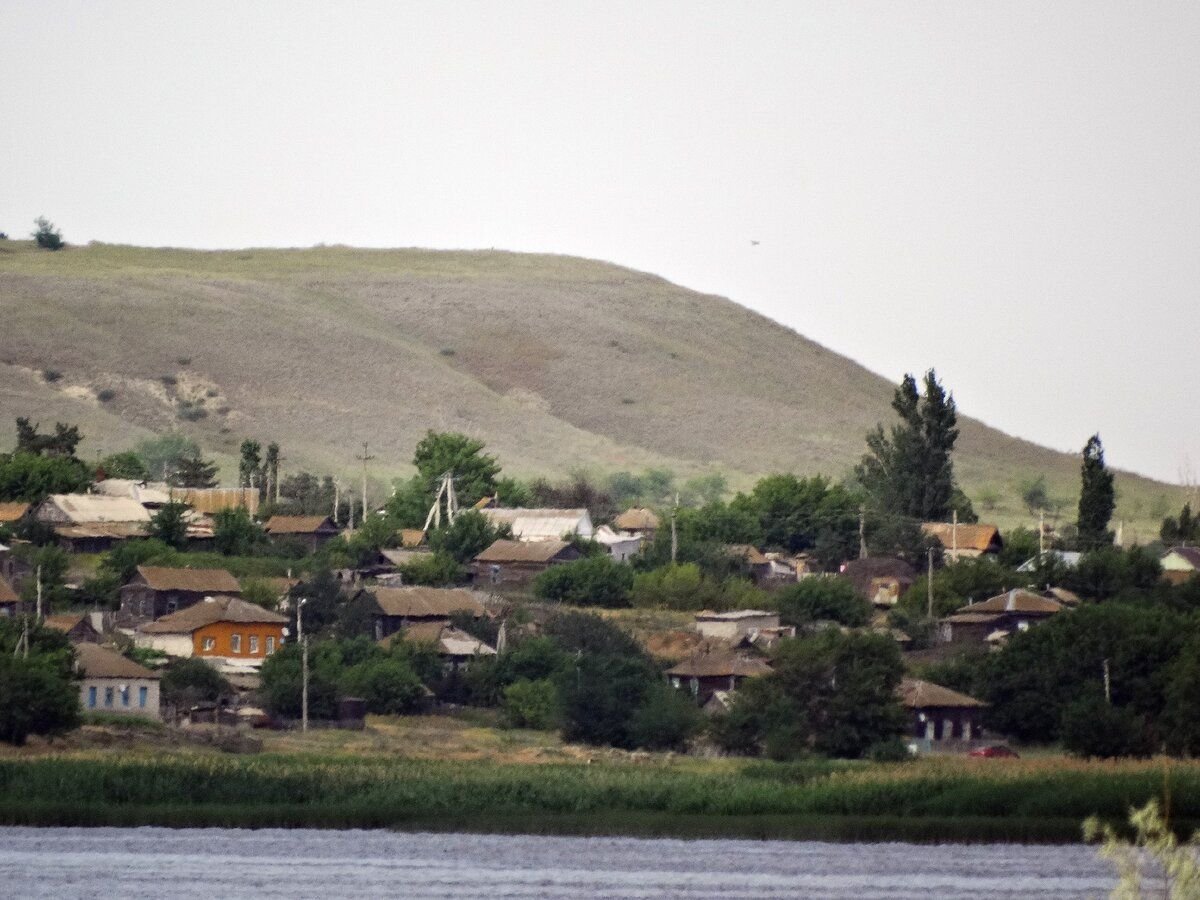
(558,363)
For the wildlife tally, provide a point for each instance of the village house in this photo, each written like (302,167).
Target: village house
(992,620)
(621,546)
(398,608)
(226,630)
(1180,564)
(10,600)
(110,683)
(735,625)
(938,716)
(13,512)
(1067,558)
(881,580)
(515,563)
(709,671)
(92,523)
(640,521)
(455,647)
(757,565)
(542,524)
(963,541)
(77,627)
(311,531)
(156,591)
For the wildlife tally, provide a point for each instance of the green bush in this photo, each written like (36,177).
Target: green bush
(46,235)
(1092,727)
(531,704)
(814,599)
(594,581)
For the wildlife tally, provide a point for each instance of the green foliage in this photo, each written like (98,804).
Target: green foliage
(432,570)
(1175,867)
(578,491)
(1020,544)
(1181,712)
(534,660)
(1034,495)
(38,694)
(600,697)
(125,556)
(46,235)
(957,584)
(410,502)
(680,586)
(160,455)
(250,466)
(53,563)
(126,464)
(816,599)
(911,472)
(387,683)
(258,592)
(186,682)
(832,694)
(62,443)
(1182,530)
(169,525)
(191,470)
(798,513)
(579,632)
(32,478)
(323,595)
(474,471)
(466,537)
(236,534)
(306,494)
(1105,572)
(282,679)
(1091,727)
(1097,497)
(591,581)
(667,719)
(531,704)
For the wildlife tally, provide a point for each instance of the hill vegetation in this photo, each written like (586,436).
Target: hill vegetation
(557,363)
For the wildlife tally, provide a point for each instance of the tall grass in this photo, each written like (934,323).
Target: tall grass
(828,800)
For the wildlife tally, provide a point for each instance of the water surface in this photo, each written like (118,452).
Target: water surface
(226,863)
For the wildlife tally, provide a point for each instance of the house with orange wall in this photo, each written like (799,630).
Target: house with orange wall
(224,629)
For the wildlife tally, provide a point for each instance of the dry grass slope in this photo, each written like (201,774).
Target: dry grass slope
(558,363)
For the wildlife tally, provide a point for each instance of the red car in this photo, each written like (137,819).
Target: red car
(995,751)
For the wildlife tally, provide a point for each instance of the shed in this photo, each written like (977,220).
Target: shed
(401,607)
(708,672)
(515,563)
(312,531)
(939,714)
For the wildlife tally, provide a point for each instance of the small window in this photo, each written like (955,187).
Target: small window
(209,644)
(235,643)
(124,695)
(254,645)
(172,606)
(270,645)
(91,698)
(143,696)
(108,697)
(495,574)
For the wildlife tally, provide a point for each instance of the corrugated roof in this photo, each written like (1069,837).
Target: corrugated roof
(210,610)
(542,524)
(1018,601)
(198,581)
(425,602)
(639,518)
(965,537)
(10,512)
(720,665)
(972,618)
(917,694)
(87,509)
(503,551)
(97,662)
(118,530)
(299,524)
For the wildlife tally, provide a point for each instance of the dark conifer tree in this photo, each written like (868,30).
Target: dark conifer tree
(1097,497)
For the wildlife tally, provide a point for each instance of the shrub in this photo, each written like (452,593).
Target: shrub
(106,395)
(531,704)
(1092,727)
(388,684)
(432,569)
(666,720)
(187,682)
(594,581)
(47,236)
(814,599)
(51,375)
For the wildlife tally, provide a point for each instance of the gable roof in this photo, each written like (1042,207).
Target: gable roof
(448,640)
(1069,558)
(10,512)
(425,602)
(198,581)
(64,622)
(300,525)
(1017,600)
(86,509)
(917,694)
(210,610)
(1190,555)
(503,551)
(97,662)
(542,524)
(158,493)
(748,552)
(862,572)
(720,665)
(639,518)
(7,594)
(967,537)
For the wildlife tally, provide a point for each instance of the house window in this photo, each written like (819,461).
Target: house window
(270,645)
(172,605)
(108,697)
(143,695)
(254,645)
(209,644)
(124,695)
(91,698)
(235,643)
(495,574)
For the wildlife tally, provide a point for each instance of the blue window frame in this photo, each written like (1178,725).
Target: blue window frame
(108,696)
(143,693)
(91,698)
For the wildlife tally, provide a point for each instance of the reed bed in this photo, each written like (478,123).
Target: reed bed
(917,801)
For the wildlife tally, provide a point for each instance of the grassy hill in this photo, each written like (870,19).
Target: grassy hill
(557,363)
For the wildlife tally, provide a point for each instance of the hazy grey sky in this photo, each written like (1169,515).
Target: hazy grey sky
(1006,191)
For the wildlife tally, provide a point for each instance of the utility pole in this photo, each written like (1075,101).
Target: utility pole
(337,485)
(929,583)
(954,536)
(862,533)
(674,531)
(1041,535)
(39,593)
(1107,683)
(365,458)
(303,663)
(279,458)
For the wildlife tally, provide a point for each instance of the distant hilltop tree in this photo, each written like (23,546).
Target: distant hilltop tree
(47,236)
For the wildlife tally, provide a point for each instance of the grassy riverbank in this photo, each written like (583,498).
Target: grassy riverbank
(925,800)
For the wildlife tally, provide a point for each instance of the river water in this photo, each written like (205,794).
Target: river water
(186,863)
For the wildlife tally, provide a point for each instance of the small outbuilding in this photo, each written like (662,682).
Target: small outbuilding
(705,673)
(1180,564)
(398,608)
(938,715)
(515,563)
(311,531)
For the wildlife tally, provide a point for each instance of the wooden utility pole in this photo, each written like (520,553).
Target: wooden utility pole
(364,459)
(674,531)
(929,583)
(39,593)
(862,532)
(336,499)
(279,458)
(954,536)
(303,663)
(1041,535)
(1107,683)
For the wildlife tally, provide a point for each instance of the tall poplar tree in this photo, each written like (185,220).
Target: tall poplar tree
(1097,497)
